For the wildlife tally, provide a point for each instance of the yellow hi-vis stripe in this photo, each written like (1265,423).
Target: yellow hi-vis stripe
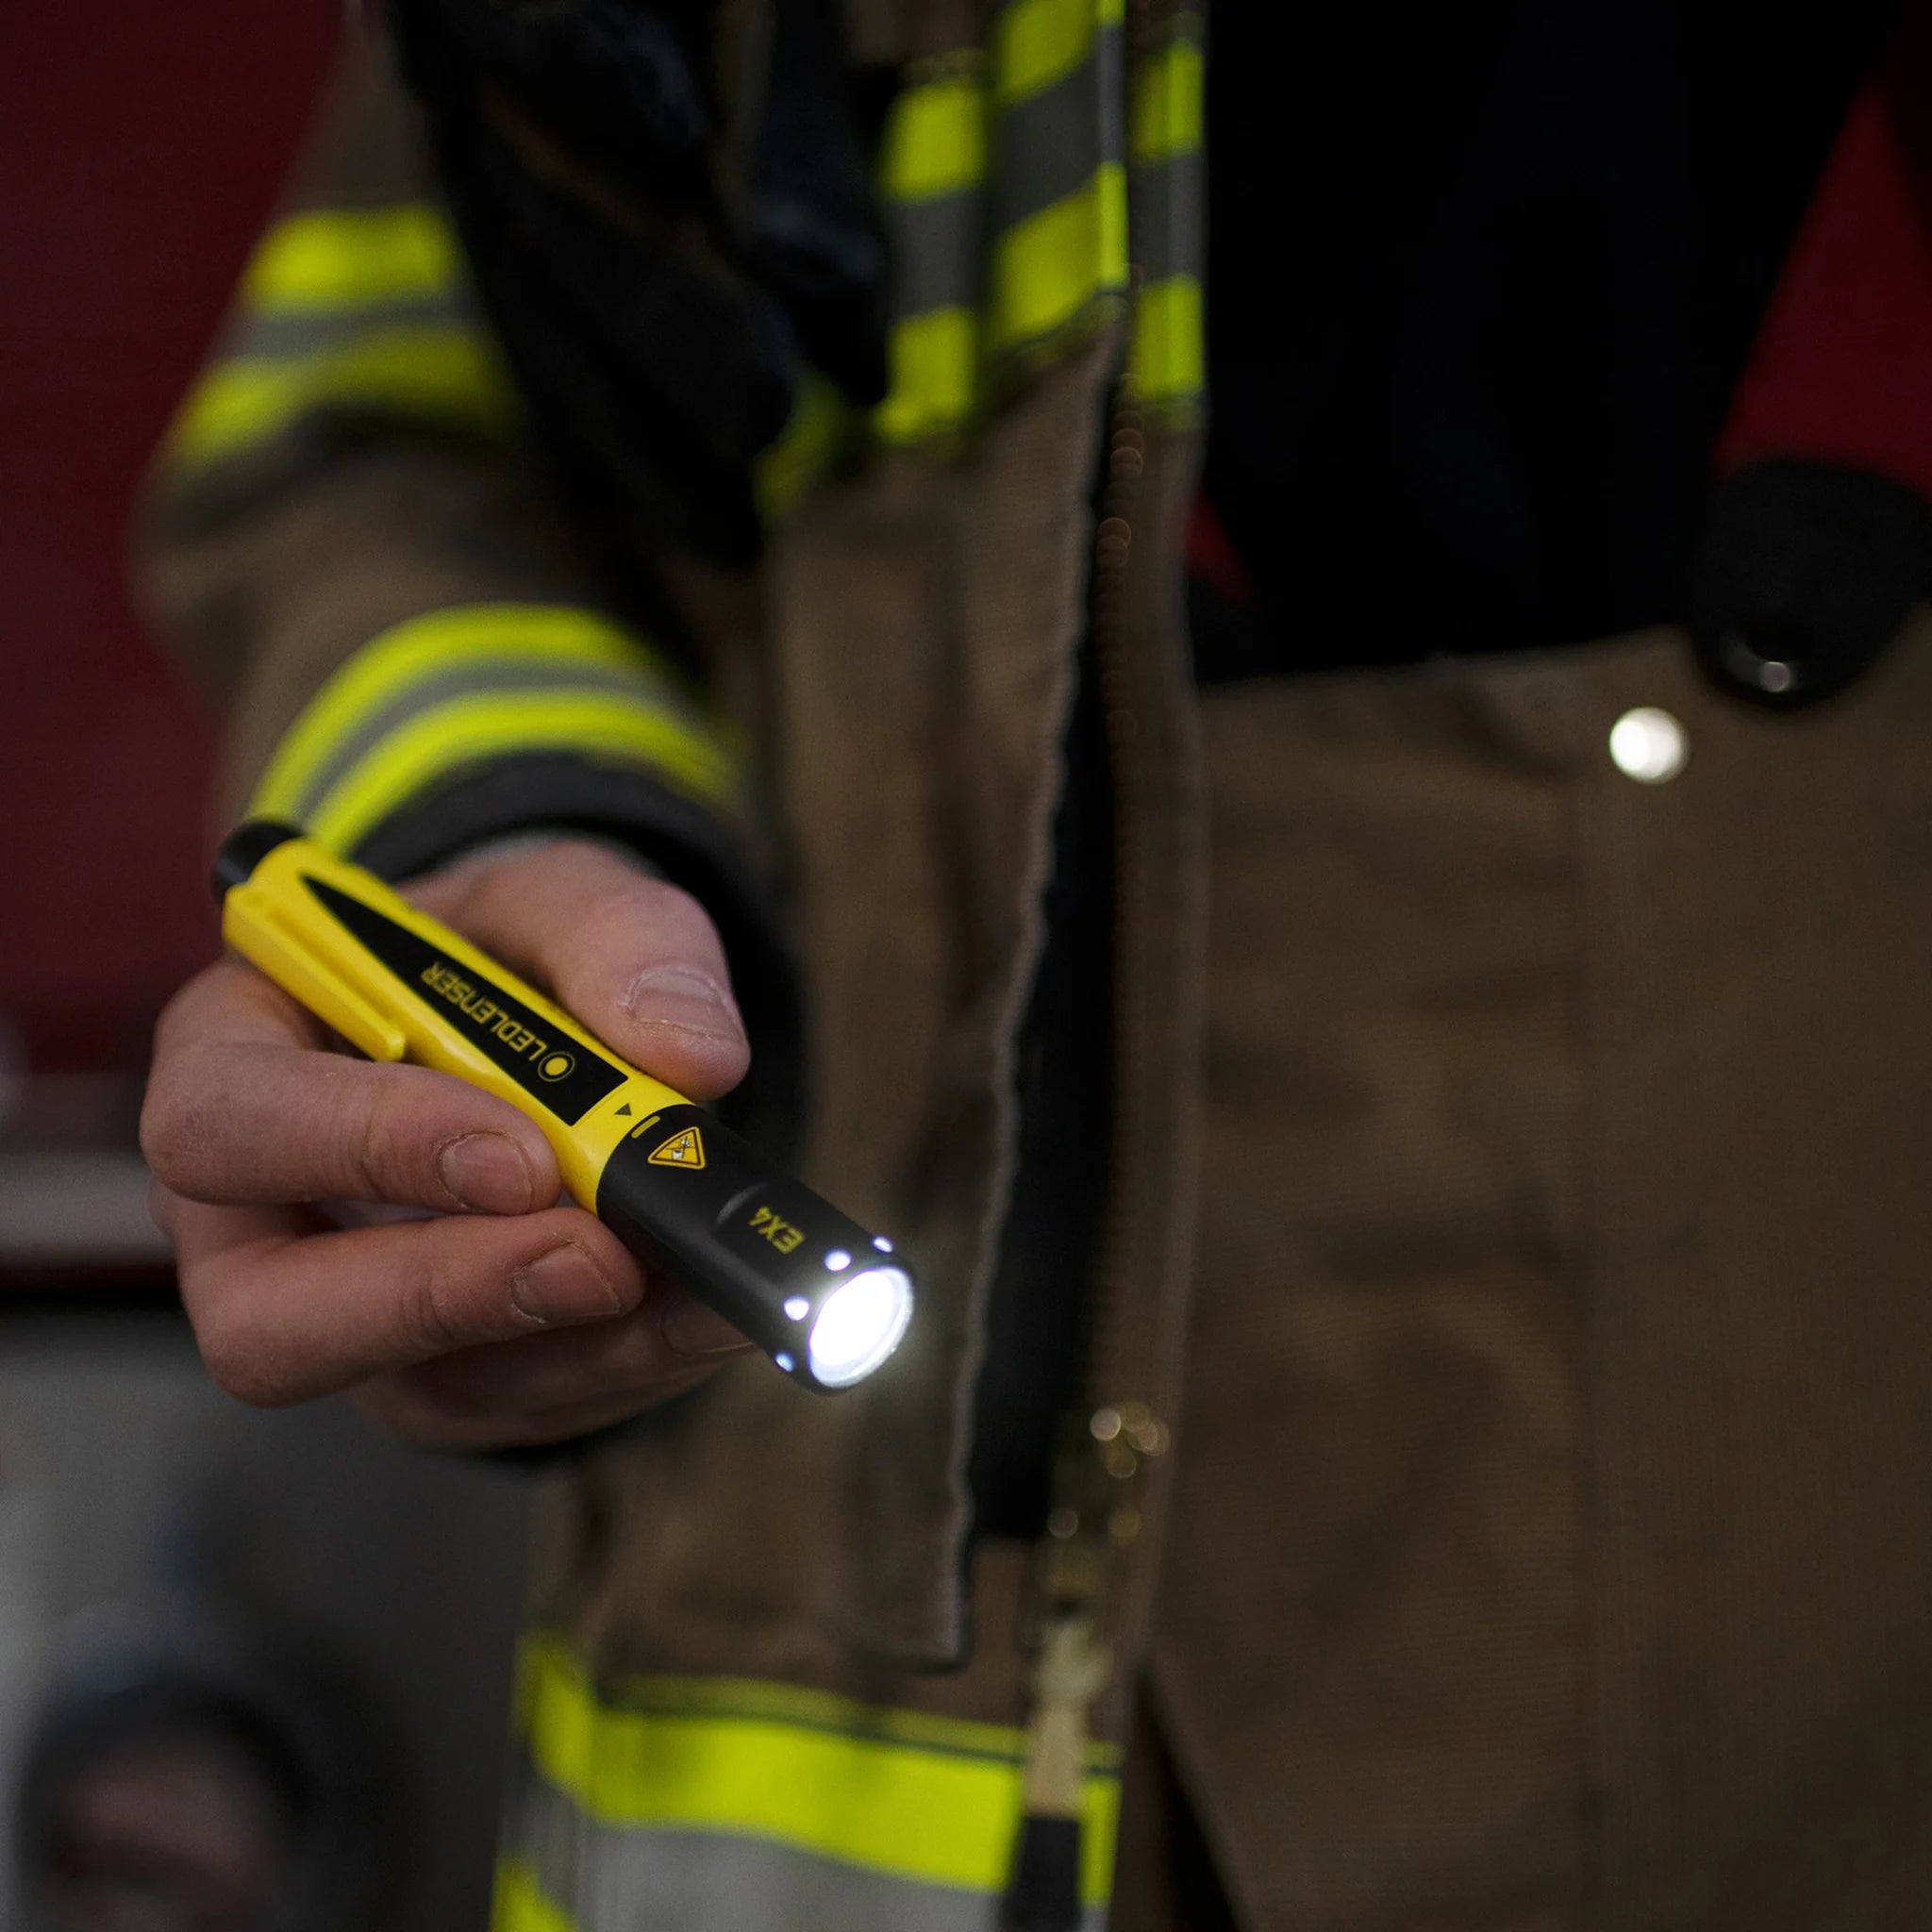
(934,360)
(935,140)
(519,1904)
(468,731)
(873,1799)
(345,258)
(554,641)
(1048,267)
(787,470)
(1167,102)
(934,148)
(1037,43)
(1168,358)
(552,637)
(383,300)
(446,374)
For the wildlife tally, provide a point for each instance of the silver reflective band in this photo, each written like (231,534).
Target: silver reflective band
(859,1325)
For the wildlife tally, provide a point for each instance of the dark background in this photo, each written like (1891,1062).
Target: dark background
(142,147)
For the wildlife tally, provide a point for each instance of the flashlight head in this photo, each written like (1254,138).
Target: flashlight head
(858,1325)
(826,1299)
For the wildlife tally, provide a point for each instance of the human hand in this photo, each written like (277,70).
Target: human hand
(504,1319)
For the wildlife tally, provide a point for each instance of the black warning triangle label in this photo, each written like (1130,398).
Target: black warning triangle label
(684,1149)
(625,1108)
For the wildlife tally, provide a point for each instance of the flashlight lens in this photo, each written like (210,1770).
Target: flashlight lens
(859,1325)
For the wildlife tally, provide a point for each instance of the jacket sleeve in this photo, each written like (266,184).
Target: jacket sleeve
(351,541)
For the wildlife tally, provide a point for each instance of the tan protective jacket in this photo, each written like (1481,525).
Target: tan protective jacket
(766,1684)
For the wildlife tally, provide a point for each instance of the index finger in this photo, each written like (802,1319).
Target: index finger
(245,1105)
(283,1314)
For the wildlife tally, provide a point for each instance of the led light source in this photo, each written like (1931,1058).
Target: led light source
(859,1325)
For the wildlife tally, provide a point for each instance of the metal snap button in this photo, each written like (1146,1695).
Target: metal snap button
(1648,745)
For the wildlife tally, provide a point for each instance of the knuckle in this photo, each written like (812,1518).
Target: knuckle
(434,1308)
(495,886)
(380,1153)
(655,908)
(177,1130)
(157,1133)
(370,1150)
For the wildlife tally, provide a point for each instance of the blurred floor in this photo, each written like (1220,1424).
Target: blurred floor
(407,1569)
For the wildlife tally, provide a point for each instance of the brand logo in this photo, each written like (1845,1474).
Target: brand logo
(484,1014)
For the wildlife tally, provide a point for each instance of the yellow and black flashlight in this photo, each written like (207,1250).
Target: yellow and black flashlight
(821,1296)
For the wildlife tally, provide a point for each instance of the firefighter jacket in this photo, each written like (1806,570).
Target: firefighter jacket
(671,422)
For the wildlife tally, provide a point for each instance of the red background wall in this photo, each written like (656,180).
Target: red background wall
(141,148)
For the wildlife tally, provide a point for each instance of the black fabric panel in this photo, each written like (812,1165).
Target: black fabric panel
(658,295)
(1482,279)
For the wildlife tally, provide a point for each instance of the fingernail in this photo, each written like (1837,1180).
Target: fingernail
(683,996)
(691,1329)
(487,1172)
(563,1286)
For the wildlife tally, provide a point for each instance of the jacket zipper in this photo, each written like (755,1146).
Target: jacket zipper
(1096,1514)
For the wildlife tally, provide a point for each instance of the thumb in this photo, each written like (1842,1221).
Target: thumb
(635,960)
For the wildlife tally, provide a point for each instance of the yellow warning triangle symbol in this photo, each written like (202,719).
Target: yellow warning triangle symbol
(686,1149)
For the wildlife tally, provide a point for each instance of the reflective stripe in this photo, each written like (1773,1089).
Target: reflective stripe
(342,258)
(520,1904)
(447,689)
(971,281)
(934,364)
(283,335)
(677,1880)
(895,1794)
(470,677)
(932,167)
(1050,144)
(1061,226)
(1166,182)
(1168,363)
(448,377)
(1036,43)
(1167,96)
(1167,218)
(937,248)
(935,140)
(361,312)
(437,745)
(555,636)
(786,471)
(1051,267)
